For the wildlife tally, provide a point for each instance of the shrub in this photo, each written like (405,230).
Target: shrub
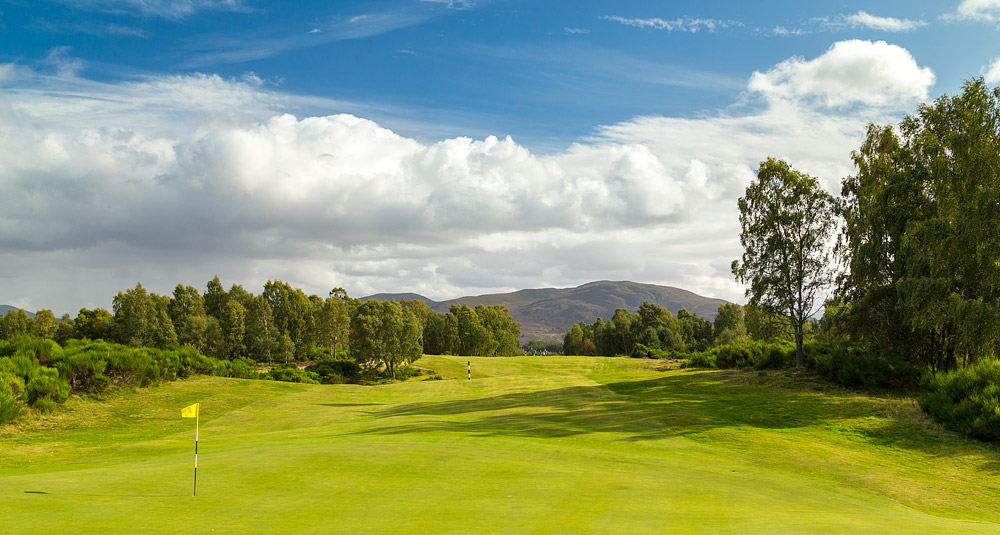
(966,400)
(407,372)
(45,383)
(9,408)
(859,368)
(292,374)
(643,352)
(336,371)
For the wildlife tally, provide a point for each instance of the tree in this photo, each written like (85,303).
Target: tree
(920,240)
(441,334)
(64,330)
(15,322)
(215,298)
(45,324)
(383,333)
(233,326)
(729,325)
(140,319)
(333,322)
(93,324)
(502,331)
(261,336)
(187,312)
(787,219)
(473,338)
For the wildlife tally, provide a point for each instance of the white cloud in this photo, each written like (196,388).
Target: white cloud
(683,24)
(887,24)
(978,10)
(580,31)
(991,73)
(170,9)
(849,73)
(176,179)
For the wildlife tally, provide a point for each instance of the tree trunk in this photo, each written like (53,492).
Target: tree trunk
(798,346)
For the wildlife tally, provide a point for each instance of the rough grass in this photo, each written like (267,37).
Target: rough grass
(530,445)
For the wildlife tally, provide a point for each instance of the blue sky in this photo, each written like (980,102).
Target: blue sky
(365,144)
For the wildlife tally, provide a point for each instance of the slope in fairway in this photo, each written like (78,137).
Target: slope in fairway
(530,445)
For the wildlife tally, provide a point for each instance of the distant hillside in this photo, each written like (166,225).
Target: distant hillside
(547,313)
(4,309)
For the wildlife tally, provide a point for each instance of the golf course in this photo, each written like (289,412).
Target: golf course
(528,445)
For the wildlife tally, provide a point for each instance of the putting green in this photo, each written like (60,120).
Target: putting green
(530,445)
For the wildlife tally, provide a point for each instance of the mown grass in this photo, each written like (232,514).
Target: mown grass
(530,445)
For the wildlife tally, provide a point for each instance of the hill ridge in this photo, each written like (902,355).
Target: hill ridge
(548,313)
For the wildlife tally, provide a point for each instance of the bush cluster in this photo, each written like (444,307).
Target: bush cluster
(336,371)
(966,400)
(39,373)
(849,366)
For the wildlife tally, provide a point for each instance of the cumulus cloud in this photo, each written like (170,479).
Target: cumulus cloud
(178,178)
(887,24)
(849,73)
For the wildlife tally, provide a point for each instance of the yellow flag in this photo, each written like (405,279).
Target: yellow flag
(191,411)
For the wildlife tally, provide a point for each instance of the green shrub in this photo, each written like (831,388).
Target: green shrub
(292,374)
(336,371)
(705,359)
(644,352)
(407,372)
(858,368)
(45,383)
(9,408)
(966,400)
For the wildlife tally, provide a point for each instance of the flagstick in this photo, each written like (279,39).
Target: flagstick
(196,420)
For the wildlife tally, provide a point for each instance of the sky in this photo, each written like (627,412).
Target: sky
(443,147)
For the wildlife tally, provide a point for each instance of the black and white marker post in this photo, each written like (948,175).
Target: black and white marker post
(470,370)
(194,411)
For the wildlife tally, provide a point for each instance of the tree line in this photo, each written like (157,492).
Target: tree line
(654,331)
(279,325)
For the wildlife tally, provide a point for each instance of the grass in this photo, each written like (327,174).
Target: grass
(530,445)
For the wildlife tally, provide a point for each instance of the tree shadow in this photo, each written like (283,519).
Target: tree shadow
(684,404)
(681,404)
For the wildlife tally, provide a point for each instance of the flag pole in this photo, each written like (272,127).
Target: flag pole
(197,419)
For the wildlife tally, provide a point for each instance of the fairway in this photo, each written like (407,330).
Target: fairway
(529,445)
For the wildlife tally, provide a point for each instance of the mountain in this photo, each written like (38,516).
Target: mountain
(4,309)
(548,313)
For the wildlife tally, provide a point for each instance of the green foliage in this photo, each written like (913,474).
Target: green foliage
(920,240)
(966,400)
(41,374)
(786,219)
(14,323)
(758,354)
(9,408)
(384,333)
(336,371)
(486,331)
(857,367)
(292,374)
(93,324)
(45,383)
(652,327)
